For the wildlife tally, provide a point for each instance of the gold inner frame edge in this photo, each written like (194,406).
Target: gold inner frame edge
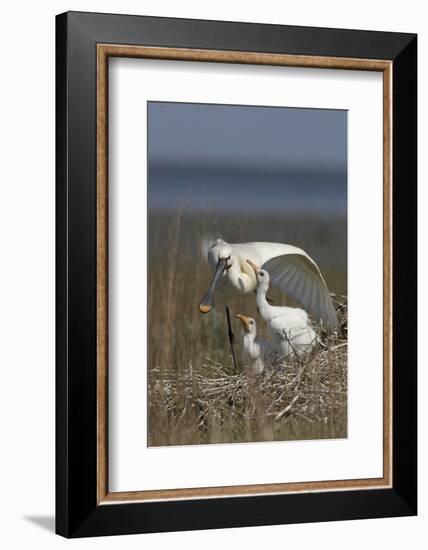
(104,51)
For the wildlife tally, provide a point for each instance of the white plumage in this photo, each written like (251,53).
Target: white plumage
(289,267)
(289,327)
(256,353)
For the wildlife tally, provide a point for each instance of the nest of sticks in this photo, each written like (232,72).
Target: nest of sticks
(301,398)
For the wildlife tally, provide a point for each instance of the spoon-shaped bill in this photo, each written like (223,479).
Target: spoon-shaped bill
(206,304)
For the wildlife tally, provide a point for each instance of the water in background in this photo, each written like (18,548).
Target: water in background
(250,173)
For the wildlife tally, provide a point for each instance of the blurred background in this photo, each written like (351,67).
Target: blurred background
(250,173)
(242,173)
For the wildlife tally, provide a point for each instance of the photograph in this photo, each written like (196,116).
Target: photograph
(247,273)
(213,330)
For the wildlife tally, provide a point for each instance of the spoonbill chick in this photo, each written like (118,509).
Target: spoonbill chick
(290,327)
(290,268)
(257,353)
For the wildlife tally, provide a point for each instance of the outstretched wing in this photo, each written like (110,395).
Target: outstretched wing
(301,278)
(294,272)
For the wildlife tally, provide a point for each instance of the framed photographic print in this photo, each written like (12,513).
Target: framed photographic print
(236,274)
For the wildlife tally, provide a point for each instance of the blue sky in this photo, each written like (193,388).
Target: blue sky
(223,157)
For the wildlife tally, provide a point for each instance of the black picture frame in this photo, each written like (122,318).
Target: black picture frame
(77,512)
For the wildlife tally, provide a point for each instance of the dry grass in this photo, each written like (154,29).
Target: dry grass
(194,394)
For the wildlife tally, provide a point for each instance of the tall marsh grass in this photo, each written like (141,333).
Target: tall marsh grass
(195,395)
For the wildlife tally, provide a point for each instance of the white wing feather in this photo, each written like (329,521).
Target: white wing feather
(294,272)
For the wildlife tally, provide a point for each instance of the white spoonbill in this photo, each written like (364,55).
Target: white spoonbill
(256,353)
(289,267)
(290,327)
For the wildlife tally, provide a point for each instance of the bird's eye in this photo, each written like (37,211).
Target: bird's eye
(251,322)
(262,274)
